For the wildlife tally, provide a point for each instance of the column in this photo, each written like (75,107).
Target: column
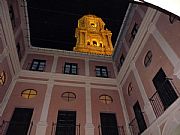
(89,127)
(125,113)
(42,124)
(148,107)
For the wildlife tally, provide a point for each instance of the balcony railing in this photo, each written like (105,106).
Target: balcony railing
(111,130)
(66,129)
(168,96)
(157,104)
(134,127)
(15,126)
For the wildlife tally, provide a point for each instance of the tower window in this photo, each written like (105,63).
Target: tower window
(38,65)
(70,68)
(101,71)
(68,96)
(88,43)
(94,43)
(93,24)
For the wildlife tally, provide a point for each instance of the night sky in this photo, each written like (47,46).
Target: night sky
(53,22)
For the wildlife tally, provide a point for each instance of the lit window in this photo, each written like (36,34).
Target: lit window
(70,68)
(130,89)
(101,71)
(148,59)
(2,78)
(38,65)
(68,96)
(94,43)
(105,99)
(29,93)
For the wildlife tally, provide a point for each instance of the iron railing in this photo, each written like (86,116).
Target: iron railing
(16,125)
(66,129)
(134,127)
(111,130)
(156,101)
(157,105)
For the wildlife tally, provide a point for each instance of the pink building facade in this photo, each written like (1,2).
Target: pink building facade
(49,92)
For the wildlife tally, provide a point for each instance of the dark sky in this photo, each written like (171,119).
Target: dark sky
(53,22)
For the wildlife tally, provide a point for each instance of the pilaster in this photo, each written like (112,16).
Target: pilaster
(147,108)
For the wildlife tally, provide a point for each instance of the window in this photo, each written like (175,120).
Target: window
(101,71)
(20,122)
(109,124)
(29,93)
(94,43)
(66,123)
(164,89)
(106,99)
(2,78)
(122,59)
(70,68)
(148,59)
(38,65)
(68,96)
(139,117)
(134,32)
(130,89)
(18,50)
(12,16)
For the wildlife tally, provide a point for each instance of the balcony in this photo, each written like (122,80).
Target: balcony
(111,130)
(65,129)
(164,97)
(9,128)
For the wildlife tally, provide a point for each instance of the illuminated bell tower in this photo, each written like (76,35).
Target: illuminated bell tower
(92,37)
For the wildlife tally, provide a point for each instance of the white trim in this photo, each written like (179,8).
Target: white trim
(89,127)
(9,35)
(124,110)
(148,107)
(173,58)
(42,124)
(87,67)
(168,51)
(54,65)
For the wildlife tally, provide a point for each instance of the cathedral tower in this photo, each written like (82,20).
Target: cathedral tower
(92,37)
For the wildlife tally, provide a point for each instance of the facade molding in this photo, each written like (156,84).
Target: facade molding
(41,126)
(124,110)
(147,105)
(137,46)
(168,51)
(89,127)
(9,35)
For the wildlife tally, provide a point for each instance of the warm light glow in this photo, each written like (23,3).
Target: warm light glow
(172,6)
(29,93)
